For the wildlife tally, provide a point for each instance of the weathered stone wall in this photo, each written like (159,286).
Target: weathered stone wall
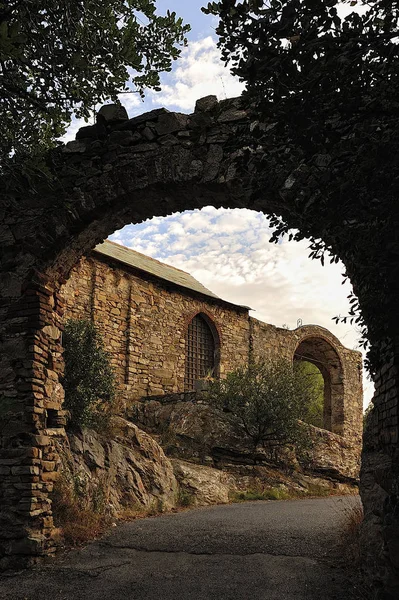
(380,485)
(31,422)
(144,323)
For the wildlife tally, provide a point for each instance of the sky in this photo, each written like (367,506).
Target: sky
(229,250)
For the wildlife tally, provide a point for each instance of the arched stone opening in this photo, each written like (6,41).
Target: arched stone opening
(321,353)
(107,180)
(312,378)
(114,181)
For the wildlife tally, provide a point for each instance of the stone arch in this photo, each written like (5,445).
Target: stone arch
(105,179)
(320,352)
(209,338)
(212,322)
(108,177)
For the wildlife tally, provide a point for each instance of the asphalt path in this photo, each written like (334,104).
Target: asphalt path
(273,550)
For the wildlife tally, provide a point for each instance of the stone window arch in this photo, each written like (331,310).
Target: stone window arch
(202,350)
(324,356)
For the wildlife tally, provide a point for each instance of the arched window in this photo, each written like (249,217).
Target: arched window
(201,349)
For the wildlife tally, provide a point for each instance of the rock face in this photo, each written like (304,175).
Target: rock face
(127,470)
(333,456)
(130,470)
(194,431)
(204,485)
(200,433)
(200,485)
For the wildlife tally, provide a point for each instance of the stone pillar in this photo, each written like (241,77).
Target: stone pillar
(380,484)
(30,420)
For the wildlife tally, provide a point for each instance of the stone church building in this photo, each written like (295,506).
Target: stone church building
(164,331)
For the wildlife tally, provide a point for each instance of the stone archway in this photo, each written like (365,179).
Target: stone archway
(114,173)
(340,367)
(321,353)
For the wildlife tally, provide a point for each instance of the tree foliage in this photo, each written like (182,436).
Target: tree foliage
(269,399)
(325,89)
(89,380)
(59,58)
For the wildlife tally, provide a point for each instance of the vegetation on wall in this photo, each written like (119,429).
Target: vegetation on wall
(325,90)
(89,380)
(269,399)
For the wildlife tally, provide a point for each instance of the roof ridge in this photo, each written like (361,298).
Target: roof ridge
(148,257)
(156,268)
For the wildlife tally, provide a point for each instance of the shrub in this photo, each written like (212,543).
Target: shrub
(89,380)
(269,400)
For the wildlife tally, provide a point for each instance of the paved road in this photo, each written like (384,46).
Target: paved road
(249,551)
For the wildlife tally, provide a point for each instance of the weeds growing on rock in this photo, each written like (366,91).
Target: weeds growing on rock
(156,508)
(313,490)
(185,499)
(79,523)
(266,494)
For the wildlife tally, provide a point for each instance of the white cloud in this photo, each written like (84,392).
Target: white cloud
(199,72)
(229,252)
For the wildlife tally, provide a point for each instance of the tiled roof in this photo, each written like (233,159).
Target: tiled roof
(146,264)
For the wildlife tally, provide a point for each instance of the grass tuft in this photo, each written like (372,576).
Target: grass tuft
(79,524)
(266,494)
(185,499)
(350,536)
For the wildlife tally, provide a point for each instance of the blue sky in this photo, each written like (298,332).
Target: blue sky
(229,250)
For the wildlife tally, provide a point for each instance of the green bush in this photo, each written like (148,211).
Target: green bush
(89,380)
(269,400)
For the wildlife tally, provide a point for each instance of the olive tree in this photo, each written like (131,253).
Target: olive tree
(269,399)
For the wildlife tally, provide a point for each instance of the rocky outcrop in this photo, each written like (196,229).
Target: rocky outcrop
(202,485)
(198,432)
(128,470)
(332,455)
(194,431)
